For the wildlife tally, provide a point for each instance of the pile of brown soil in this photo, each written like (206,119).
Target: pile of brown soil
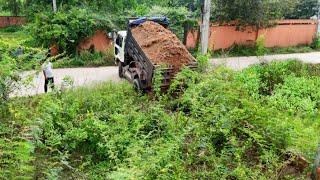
(161,46)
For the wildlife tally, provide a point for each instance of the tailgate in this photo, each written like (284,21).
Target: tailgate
(168,73)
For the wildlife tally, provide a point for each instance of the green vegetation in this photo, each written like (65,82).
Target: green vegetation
(4,13)
(221,124)
(261,13)
(242,50)
(260,46)
(76,20)
(210,124)
(303,9)
(316,43)
(87,59)
(12,38)
(16,56)
(12,7)
(67,29)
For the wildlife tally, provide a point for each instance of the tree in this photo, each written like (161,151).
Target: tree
(205,26)
(251,12)
(54,4)
(13,6)
(304,10)
(178,17)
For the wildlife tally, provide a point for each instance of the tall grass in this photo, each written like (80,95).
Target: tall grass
(219,124)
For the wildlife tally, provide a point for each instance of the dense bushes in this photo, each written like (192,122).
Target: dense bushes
(17,45)
(316,43)
(14,59)
(244,50)
(16,147)
(86,59)
(67,28)
(263,79)
(298,94)
(223,125)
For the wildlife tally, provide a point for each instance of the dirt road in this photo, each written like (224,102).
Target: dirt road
(79,76)
(90,76)
(239,63)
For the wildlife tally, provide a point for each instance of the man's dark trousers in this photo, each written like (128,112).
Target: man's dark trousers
(47,82)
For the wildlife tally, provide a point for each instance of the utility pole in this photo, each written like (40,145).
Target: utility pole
(205,26)
(54,4)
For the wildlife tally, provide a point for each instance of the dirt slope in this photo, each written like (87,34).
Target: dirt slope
(161,45)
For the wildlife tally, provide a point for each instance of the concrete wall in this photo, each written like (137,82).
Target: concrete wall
(11,21)
(285,34)
(99,41)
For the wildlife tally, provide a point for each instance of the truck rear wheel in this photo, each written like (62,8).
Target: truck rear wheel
(120,69)
(137,85)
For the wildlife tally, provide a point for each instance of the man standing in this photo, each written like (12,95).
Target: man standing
(48,75)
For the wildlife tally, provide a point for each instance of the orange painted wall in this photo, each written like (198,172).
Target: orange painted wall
(285,34)
(223,37)
(192,39)
(289,35)
(99,41)
(11,21)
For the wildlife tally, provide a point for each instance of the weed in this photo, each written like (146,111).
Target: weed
(242,50)
(203,62)
(260,46)
(316,43)
(86,59)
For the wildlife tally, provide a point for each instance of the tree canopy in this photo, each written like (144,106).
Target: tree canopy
(253,12)
(260,12)
(304,10)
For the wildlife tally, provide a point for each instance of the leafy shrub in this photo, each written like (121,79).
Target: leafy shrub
(260,46)
(290,50)
(14,46)
(239,50)
(87,59)
(243,50)
(262,79)
(229,126)
(203,61)
(67,28)
(96,58)
(17,150)
(298,94)
(316,43)
(11,29)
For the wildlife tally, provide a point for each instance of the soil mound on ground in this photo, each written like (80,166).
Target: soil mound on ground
(161,46)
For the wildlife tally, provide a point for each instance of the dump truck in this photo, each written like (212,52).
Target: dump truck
(138,62)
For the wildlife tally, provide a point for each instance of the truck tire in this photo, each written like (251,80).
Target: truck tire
(137,85)
(120,70)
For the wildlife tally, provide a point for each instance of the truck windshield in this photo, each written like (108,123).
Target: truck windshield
(119,41)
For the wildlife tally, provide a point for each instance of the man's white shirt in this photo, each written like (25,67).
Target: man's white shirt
(47,68)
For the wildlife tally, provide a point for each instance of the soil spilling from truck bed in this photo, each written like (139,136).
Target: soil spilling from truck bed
(161,46)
